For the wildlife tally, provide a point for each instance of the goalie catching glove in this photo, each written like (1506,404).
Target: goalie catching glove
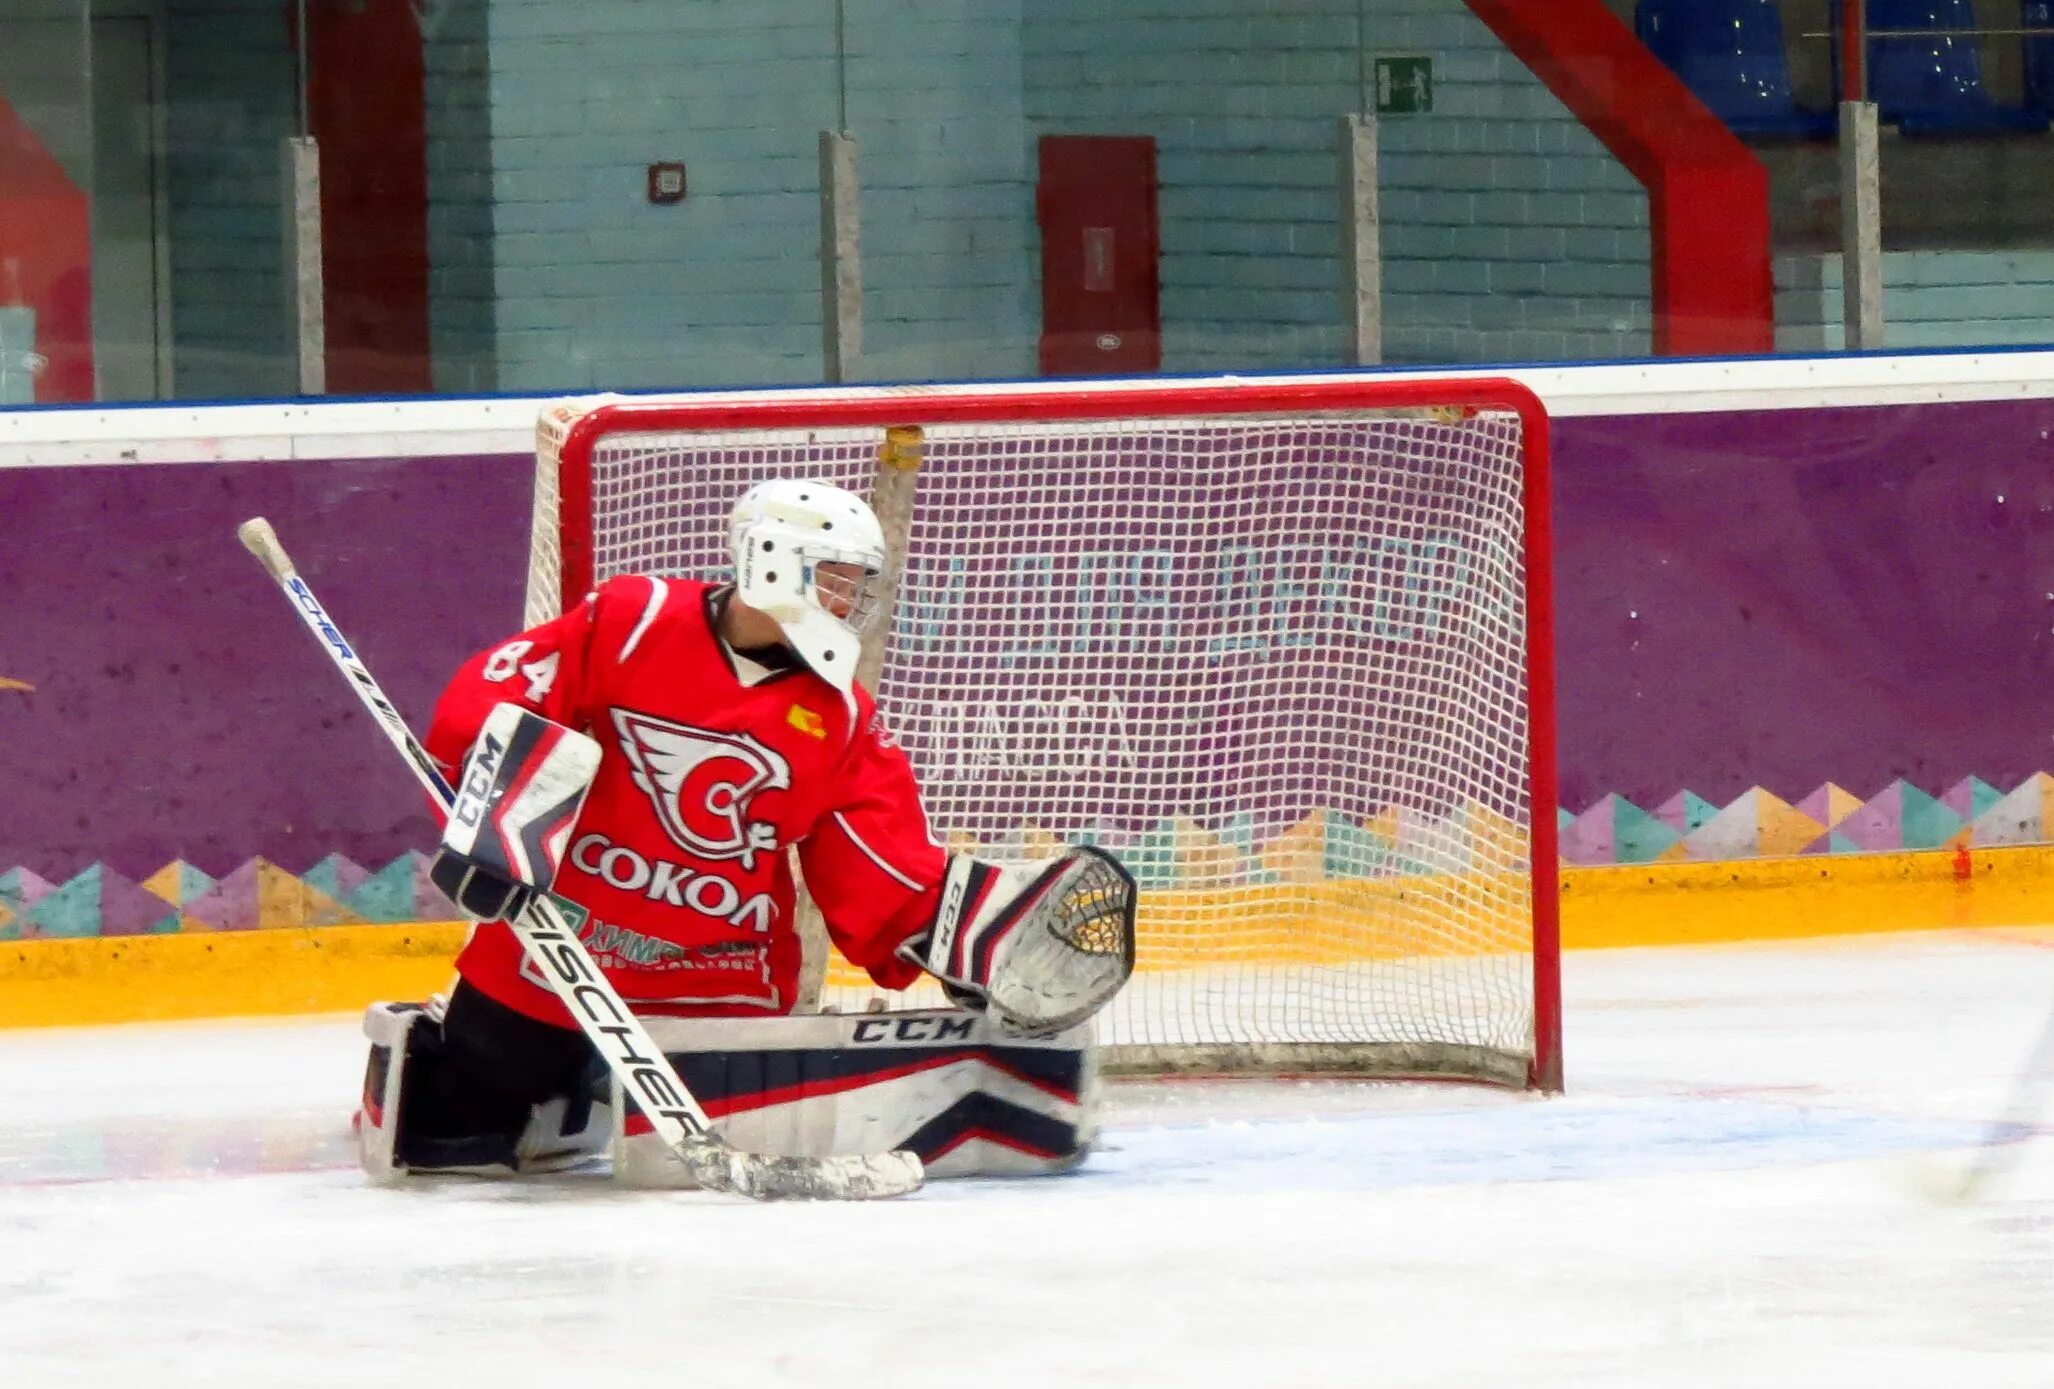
(1042,946)
(516,802)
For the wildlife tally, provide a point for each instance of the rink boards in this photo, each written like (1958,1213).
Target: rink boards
(1801,641)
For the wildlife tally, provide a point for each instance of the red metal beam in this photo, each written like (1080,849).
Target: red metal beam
(46,258)
(1708,196)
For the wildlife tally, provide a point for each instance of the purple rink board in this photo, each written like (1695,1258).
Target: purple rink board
(179,709)
(1777,599)
(1782,599)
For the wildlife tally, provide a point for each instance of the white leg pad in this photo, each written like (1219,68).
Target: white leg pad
(949,1085)
(547,1145)
(555,1138)
(389,1027)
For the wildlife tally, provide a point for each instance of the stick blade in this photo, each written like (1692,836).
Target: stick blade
(1953,1182)
(858,1177)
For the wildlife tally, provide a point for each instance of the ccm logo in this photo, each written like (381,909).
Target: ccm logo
(914,1029)
(478,779)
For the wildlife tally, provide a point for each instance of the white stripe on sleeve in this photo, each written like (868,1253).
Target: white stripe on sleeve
(657,589)
(871,854)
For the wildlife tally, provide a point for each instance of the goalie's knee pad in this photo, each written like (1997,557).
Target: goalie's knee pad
(949,1085)
(407,1122)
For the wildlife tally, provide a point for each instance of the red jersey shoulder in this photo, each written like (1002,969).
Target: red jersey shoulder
(870,723)
(638,614)
(647,628)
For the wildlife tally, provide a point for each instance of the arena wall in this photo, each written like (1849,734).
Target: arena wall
(1804,642)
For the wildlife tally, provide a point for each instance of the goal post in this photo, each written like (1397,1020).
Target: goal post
(1283,646)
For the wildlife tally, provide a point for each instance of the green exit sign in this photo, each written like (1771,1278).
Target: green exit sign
(1404,85)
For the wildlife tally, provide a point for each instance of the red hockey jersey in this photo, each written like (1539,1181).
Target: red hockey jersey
(712,766)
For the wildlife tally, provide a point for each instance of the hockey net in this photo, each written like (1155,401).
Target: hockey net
(1281,647)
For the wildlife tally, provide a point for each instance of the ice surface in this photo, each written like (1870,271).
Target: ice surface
(1721,1199)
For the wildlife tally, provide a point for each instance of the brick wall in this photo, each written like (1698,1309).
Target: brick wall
(1241,99)
(232,100)
(462,288)
(598,288)
(1508,232)
(1930,299)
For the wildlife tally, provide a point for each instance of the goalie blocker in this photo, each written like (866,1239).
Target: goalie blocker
(522,787)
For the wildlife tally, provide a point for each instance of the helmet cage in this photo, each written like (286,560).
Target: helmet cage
(782,536)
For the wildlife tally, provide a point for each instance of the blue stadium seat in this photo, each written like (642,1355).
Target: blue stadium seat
(1730,54)
(2039,53)
(1927,85)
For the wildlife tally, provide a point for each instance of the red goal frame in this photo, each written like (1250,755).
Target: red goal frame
(1141,400)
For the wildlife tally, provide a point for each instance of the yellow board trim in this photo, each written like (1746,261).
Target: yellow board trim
(318,969)
(339,968)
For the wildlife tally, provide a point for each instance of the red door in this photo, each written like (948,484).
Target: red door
(368,109)
(1100,304)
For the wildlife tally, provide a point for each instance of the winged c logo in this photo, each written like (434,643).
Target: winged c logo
(701,782)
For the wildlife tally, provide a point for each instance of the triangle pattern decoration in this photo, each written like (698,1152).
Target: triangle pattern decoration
(1758,823)
(2022,817)
(388,894)
(1494,841)
(1638,837)
(129,909)
(1298,855)
(20,888)
(1383,823)
(1238,833)
(1200,856)
(1729,834)
(1354,852)
(1927,823)
(1781,828)
(1392,841)
(1153,860)
(1685,811)
(1832,842)
(229,905)
(336,876)
(1830,804)
(69,913)
(1587,839)
(177,882)
(429,903)
(262,896)
(1879,823)
(1038,841)
(1970,797)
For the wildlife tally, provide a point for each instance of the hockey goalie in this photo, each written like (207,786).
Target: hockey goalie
(650,756)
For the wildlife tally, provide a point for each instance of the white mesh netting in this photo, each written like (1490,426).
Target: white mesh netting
(1276,665)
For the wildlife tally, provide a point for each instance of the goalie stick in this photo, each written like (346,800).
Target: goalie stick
(562,959)
(1997,1150)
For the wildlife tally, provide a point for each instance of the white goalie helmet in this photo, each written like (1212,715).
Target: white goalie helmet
(780,534)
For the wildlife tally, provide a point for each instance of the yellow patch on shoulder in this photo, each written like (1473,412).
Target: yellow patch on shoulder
(806,721)
(6,684)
